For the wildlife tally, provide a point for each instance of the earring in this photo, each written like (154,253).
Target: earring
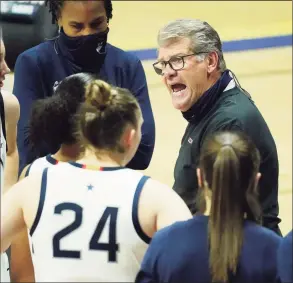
(59,30)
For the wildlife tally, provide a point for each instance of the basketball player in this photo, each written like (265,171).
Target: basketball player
(9,109)
(9,115)
(92,220)
(225,243)
(51,120)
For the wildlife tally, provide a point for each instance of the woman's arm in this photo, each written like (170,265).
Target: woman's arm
(159,207)
(19,208)
(12,110)
(21,264)
(12,221)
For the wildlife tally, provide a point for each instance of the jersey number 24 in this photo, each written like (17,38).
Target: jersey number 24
(112,247)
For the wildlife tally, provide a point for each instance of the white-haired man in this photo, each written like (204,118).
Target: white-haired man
(192,66)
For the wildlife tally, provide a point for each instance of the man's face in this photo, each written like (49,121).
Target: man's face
(4,70)
(188,84)
(83,17)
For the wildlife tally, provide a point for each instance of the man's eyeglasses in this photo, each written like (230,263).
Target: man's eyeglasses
(176,63)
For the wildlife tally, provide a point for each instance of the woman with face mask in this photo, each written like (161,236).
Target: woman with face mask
(80,46)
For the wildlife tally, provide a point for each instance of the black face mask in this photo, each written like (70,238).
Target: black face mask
(84,53)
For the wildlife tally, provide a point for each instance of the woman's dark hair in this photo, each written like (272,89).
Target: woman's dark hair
(52,118)
(229,163)
(103,116)
(55,7)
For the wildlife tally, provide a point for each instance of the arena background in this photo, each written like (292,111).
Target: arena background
(257,39)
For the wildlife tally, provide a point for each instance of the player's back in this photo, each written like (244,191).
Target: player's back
(180,253)
(87,225)
(41,163)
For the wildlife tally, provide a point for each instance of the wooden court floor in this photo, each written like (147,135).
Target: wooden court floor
(267,75)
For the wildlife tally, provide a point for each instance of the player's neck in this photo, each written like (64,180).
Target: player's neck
(68,153)
(102,159)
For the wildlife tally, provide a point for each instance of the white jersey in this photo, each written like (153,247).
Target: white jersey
(41,163)
(5,277)
(86,228)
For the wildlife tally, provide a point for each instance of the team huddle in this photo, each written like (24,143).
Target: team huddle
(100,211)
(81,210)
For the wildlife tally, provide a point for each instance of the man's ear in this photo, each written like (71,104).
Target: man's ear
(213,60)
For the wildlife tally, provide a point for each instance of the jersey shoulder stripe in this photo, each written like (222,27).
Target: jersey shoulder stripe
(135,220)
(41,201)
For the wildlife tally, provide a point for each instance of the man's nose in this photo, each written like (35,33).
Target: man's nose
(169,72)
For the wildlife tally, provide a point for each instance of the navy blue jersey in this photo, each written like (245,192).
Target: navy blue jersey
(179,253)
(285,259)
(38,71)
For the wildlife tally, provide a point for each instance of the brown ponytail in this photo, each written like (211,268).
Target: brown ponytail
(104,115)
(229,162)
(226,216)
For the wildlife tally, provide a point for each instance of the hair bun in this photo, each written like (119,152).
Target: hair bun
(98,94)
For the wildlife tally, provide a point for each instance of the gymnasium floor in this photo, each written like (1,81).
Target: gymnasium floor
(267,75)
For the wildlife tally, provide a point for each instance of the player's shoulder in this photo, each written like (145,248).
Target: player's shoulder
(155,184)
(173,233)
(122,56)
(261,234)
(38,50)
(40,163)
(158,191)
(11,104)
(288,239)
(60,166)
(31,57)
(32,182)
(286,243)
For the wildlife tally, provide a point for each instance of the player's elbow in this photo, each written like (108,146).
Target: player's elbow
(5,243)
(12,151)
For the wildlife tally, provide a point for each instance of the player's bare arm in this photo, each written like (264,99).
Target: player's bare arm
(12,112)
(166,205)
(19,208)
(21,265)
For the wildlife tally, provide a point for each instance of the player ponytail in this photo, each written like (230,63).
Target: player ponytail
(104,115)
(229,162)
(52,118)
